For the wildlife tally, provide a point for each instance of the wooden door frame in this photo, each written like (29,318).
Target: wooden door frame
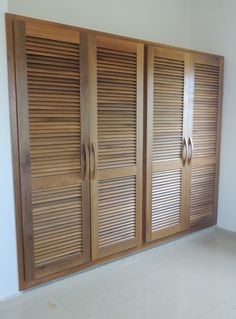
(15,149)
(151,51)
(137,171)
(219,61)
(16,34)
(24,147)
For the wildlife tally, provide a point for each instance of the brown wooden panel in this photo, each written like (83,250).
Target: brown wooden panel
(168,108)
(118,146)
(166,199)
(116,108)
(166,129)
(202,193)
(42,29)
(49,84)
(57,223)
(24,148)
(116,211)
(54,106)
(205,121)
(204,127)
(87,72)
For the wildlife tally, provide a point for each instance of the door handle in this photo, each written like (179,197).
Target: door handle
(94,170)
(190,147)
(86,161)
(184,150)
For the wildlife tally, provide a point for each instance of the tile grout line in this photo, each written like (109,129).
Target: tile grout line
(64,306)
(210,310)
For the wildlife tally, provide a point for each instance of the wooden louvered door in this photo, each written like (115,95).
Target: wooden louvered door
(55,199)
(116,142)
(166,146)
(204,138)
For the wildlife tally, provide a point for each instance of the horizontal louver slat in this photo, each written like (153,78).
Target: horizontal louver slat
(57,223)
(202,192)
(116,85)
(116,210)
(53,77)
(54,106)
(168,108)
(166,199)
(206,91)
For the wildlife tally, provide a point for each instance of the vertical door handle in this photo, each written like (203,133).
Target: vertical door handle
(94,170)
(190,147)
(86,161)
(184,150)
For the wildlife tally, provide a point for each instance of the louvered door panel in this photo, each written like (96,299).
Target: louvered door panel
(116,210)
(207,73)
(202,193)
(54,106)
(168,107)
(118,145)
(57,222)
(116,85)
(166,199)
(56,208)
(206,93)
(166,128)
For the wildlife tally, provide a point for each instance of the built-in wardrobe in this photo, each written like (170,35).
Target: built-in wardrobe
(115,144)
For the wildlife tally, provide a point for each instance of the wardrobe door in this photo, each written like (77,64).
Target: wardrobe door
(166,144)
(52,149)
(204,138)
(116,145)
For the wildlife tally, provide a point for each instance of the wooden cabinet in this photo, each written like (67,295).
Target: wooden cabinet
(117,139)
(184,93)
(113,95)
(115,143)
(204,138)
(80,137)
(167,126)
(54,195)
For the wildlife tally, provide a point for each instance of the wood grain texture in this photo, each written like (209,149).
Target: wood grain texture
(119,146)
(204,130)
(55,225)
(111,36)
(84,179)
(89,96)
(24,147)
(116,108)
(166,129)
(206,92)
(15,149)
(116,210)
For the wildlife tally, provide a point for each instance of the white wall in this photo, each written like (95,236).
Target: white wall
(8,262)
(158,20)
(213,26)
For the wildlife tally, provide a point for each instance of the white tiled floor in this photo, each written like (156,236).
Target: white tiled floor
(190,278)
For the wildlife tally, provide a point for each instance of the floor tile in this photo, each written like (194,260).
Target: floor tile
(216,279)
(221,312)
(91,298)
(232,301)
(175,299)
(47,308)
(127,310)
(188,278)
